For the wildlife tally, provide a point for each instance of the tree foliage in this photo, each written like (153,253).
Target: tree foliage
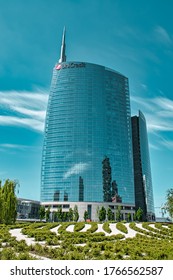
(75,213)
(47,214)
(139,214)
(42,212)
(86,215)
(118,213)
(102,214)
(110,214)
(169,203)
(8,202)
(70,214)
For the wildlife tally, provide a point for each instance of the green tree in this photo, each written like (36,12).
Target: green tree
(1,205)
(110,214)
(47,214)
(60,214)
(128,217)
(139,214)
(8,202)
(55,216)
(135,217)
(65,217)
(42,212)
(169,202)
(118,213)
(107,178)
(70,214)
(102,214)
(86,216)
(75,214)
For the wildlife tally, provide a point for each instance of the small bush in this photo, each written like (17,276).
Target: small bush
(93,228)
(106,227)
(121,227)
(79,226)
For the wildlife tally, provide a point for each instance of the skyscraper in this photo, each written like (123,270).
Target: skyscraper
(142,169)
(88,119)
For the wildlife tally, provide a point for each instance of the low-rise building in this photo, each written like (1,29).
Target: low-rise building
(27,209)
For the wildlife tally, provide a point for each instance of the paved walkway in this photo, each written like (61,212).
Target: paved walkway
(55,229)
(131,233)
(30,241)
(70,228)
(87,226)
(20,236)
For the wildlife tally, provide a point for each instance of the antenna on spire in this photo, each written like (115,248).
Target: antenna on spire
(62,55)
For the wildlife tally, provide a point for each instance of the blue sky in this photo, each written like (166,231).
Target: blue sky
(133,37)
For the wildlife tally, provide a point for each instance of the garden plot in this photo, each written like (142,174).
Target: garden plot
(131,233)
(87,241)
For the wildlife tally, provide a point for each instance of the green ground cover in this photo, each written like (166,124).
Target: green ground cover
(151,242)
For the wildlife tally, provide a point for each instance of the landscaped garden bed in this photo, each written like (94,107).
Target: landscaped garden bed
(99,241)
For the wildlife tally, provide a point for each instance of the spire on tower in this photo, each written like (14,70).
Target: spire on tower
(62,55)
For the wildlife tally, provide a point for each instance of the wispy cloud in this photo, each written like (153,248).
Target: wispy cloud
(162,35)
(76,169)
(26,109)
(11,148)
(159,117)
(158,112)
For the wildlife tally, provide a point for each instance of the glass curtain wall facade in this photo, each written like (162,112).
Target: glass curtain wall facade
(88,118)
(142,170)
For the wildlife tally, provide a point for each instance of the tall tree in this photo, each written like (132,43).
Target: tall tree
(1,205)
(86,216)
(75,213)
(42,212)
(47,214)
(59,214)
(139,214)
(107,178)
(8,202)
(70,214)
(118,213)
(102,214)
(169,202)
(110,214)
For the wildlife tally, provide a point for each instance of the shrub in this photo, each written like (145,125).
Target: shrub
(79,226)
(7,254)
(121,227)
(93,228)
(106,227)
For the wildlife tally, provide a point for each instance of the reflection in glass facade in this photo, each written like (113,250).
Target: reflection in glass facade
(142,169)
(88,118)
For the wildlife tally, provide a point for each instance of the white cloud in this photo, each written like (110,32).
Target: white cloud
(162,35)
(77,168)
(158,112)
(13,146)
(26,109)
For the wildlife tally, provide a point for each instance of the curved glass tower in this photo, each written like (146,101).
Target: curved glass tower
(88,118)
